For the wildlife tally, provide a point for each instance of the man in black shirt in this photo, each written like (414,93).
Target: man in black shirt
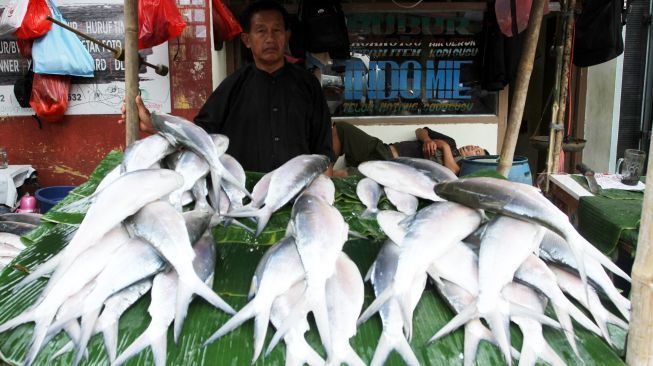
(271,110)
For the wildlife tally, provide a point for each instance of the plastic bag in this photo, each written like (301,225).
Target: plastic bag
(60,52)
(227,24)
(49,98)
(25,48)
(13,16)
(158,21)
(35,24)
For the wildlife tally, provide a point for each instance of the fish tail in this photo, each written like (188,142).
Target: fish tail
(25,317)
(468,313)
(239,318)
(38,338)
(260,329)
(297,314)
(159,348)
(500,326)
(474,334)
(147,338)
(184,296)
(519,310)
(66,348)
(349,357)
(262,220)
(321,315)
(550,356)
(240,225)
(202,289)
(407,315)
(387,344)
(621,303)
(377,303)
(369,213)
(110,335)
(604,331)
(567,327)
(42,270)
(528,355)
(301,353)
(88,324)
(596,254)
(227,176)
(370,271)
(613,319)
(581,318)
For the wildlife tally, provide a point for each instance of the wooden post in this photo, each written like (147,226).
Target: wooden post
(131,70)
(640,336)
(520,91)
(564,78)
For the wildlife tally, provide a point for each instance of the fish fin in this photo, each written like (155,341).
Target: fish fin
(88,324)
(377,303)
(473,338)
(369,213)
(159,348)
(368,275)
(387,344)
(262,220)
(244,314)
(321,316)
(297,314)
(613,319)
(355,234)
(621,303)
(228,177)
(596,254)
(39,334)
(27,316)
(184,296)
(468,313)
(66,348)
(350,357)
(407,315)
(233,221)
(568,329)
(520,310)
(500,327)
(301,353)
(110,335)
(40,271)
(581,318)
(550,356)
(202,289)
(147,338)
(260,329)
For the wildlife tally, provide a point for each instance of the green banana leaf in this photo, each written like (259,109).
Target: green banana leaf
(239,254)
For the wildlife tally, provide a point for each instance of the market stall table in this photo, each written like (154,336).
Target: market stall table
(10,179)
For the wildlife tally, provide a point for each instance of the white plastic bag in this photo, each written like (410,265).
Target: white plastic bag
(13,15)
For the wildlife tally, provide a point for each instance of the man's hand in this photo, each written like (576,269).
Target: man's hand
(429,148)
(145,121)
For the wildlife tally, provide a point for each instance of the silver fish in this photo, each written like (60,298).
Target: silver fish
(344,294)
(193,168)
(285,183)
(24,217)
(555,249)
(419,247)
(572,285)
(11,240)
(298,351)
(320,233)
(392,338)
(322,186)
(432,169)
(145,152)
(200,192)
(260,191)
(534,345)
(233,166)
(369,192)
(221,143)
(16,228)
(524,202)
(404,202)
(401,177)
(278,270)
(7,250)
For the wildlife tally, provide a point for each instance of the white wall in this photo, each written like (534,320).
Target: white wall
(602,115)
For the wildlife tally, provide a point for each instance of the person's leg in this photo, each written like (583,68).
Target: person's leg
(358,146)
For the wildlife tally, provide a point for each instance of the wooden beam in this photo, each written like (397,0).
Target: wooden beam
(131,70)
(640,336)
(520,91)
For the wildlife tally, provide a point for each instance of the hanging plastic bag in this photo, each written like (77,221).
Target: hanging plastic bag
(35,24)
(25,48)
(158,21)
(13,16)
(60,52)
(227,24)
(49,98)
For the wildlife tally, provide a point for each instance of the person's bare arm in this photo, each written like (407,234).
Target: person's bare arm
(447,156)
(429,147)
(144,118)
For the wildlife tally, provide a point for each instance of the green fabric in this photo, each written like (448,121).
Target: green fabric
(610,216)
(359,147)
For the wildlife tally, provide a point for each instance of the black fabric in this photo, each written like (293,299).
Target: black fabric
(500,53)
(434,135)
(325,27)
(269,118)
(598,32)
(23,88)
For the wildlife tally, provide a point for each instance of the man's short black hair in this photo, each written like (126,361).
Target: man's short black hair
(262,5)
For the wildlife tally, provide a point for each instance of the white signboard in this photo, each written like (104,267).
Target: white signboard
(102,94)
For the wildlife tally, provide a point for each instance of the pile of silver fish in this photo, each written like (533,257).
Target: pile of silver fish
(147,228)
(12,227)
(504,269)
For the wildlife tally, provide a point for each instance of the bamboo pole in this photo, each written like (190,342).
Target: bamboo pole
(554,104)
(131,70)
(524,71)
(640,336)
(566,69)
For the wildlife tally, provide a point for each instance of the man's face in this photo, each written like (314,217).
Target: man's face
(267,38)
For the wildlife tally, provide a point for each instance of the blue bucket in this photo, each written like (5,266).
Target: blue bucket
(50,196)
(520,171)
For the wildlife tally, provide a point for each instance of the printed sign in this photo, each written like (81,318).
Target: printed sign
(102,94)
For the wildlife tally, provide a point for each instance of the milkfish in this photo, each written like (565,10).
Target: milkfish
(235,195)
(320,233)
(404,202)
(193,168)
(24,217)
(401,177)
(419,247)
(369,192)
(16,228)
(260,190)
(12,240)
(285,183)
(322,186)
(143,153)
(298,351)
(534,345)
(278,270)
(524,202)
(435,171)
(344,295)
(392,338)
(183,132)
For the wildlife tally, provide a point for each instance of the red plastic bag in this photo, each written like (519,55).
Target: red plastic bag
(50,96)
(35,24)
(224,20)
(158,21)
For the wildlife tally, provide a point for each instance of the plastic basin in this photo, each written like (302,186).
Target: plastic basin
(50,196)
(520,171)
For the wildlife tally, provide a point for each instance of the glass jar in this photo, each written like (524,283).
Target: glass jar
(3,158)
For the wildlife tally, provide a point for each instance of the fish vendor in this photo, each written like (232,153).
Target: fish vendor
(358,147)
(270,109)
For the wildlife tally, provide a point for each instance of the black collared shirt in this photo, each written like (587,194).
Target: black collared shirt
(269,118)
